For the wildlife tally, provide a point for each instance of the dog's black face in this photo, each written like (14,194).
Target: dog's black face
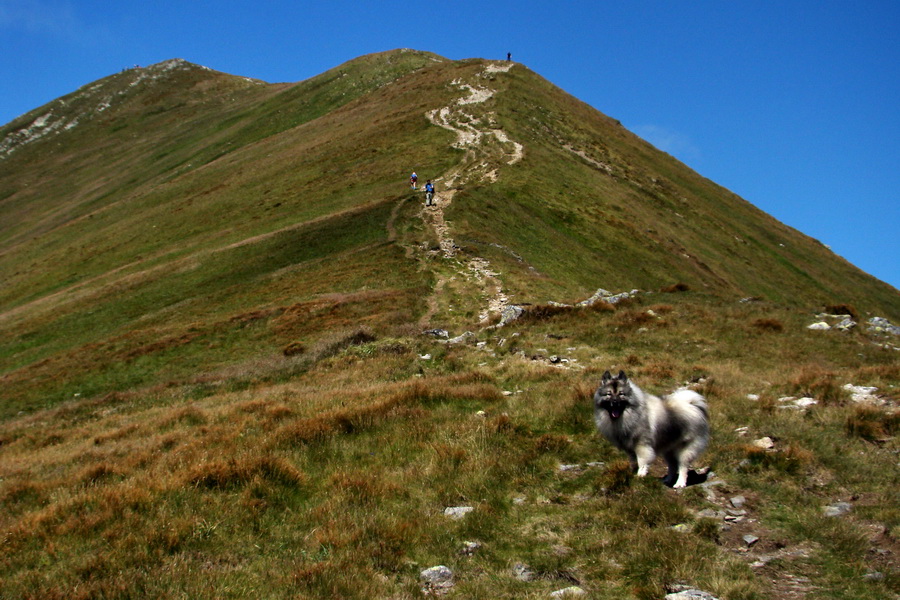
(612,395)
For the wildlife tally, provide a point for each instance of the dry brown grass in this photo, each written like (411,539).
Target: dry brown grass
(843,309)
(768,324)
(817,382)
(872,423)
(675,287)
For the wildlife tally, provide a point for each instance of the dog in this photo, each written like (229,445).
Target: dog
(644,425)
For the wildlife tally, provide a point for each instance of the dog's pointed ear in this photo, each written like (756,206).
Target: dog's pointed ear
(622,376)
(606,377)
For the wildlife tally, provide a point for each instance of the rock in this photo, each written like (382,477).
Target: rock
(753,397)
(442,333)
(882,325)
(691,594)
(470,548)
(873,576)
(607,296)
(457,512)
(461,338)
(797,403)
(425,356)
(765,443)
(555,359)
(820,326)
(738,501)
(509,314)
(837,509)
(862,394)
(750,539)
(436,580)
(523,572)
(569,592)
(845,325)
(681,528)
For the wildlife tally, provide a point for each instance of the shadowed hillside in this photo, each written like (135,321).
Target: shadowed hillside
(214,380)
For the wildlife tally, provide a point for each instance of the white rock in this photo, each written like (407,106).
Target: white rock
(437,579)
(523,572)
(457,512)
(691,595)
(765,443)
(820,326)
(837,509)
(569,592)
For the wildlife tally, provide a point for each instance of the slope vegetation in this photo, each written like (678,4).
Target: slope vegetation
(214,381)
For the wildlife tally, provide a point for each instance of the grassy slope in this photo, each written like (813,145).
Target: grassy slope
(170,448)
(645,222)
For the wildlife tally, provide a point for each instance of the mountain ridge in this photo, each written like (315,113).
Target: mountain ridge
(239,357)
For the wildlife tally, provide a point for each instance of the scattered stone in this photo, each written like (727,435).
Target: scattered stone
(837,509)
(820,326)
(846,324)
(509,314)
(874,576)
(738,501)
(691,594)
(519,500)
(481,414)
(461,338)
(457,512)
(470,548)
(607,296)
(578,468)
(555,359)
(750,539)
(790,402)
(442,333)
(681,528)
(862,394)
(523,572)
(882,325)
(569,592)
(765,443)
(753,397)
(436,580)
(425,356)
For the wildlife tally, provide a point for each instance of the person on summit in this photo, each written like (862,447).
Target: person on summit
(429,193)
(413,180)
(508,56)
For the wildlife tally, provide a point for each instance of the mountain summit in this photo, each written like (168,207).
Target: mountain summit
(239,354)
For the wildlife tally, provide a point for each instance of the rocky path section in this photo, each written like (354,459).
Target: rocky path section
(487,149)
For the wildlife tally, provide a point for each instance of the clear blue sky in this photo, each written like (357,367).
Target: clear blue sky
(795,106)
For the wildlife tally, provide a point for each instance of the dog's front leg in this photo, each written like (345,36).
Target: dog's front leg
(645,457)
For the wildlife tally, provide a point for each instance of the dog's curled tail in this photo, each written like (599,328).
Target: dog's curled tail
(684,398)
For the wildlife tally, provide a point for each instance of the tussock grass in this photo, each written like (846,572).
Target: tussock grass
(241,410)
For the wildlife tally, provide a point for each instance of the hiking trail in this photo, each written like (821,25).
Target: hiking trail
(487,149)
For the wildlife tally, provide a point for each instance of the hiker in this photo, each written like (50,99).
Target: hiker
(413,180)
(429,193)
(508,56)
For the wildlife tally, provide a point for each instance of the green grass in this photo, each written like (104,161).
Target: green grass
(212,372)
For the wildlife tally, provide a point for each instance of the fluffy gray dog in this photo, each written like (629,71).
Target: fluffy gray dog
(644,425)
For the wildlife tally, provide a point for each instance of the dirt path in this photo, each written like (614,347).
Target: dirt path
(487,150)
